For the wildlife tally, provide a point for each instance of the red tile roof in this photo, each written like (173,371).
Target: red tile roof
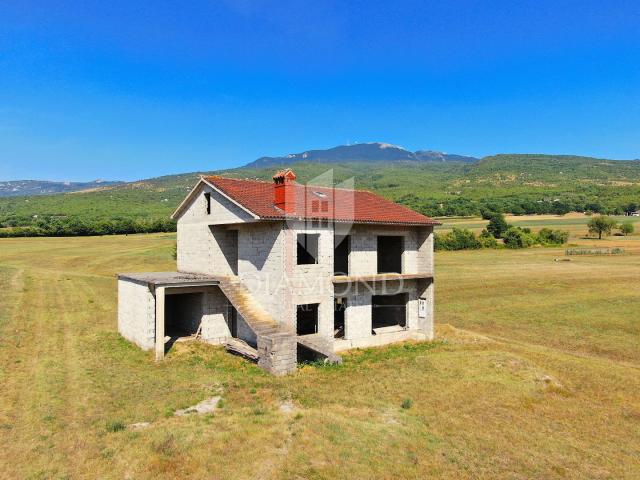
(312,202)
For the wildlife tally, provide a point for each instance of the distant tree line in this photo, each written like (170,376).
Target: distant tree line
(498,228)
(466,207)
(74,226)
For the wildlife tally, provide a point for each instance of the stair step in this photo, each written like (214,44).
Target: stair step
(255,316)
(239,347)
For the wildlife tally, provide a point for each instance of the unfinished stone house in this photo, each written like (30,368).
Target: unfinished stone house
(281,272)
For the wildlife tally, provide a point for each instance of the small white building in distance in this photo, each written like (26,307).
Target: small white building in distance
(283,272)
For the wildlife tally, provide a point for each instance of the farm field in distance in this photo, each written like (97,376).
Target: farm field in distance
(535,373)
(575,223)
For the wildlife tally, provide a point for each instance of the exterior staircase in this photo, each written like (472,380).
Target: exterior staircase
(256,317)
(277,348)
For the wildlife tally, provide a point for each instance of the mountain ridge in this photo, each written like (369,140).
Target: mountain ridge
(517,183)
(360,152)
(18,188)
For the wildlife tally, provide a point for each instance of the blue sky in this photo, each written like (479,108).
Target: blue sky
(126,90)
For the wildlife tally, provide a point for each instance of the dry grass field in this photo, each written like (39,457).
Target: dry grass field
(535,374)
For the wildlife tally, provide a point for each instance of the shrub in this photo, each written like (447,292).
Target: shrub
(406,404)
(627,228)
(487,240)
(546,236)
(115,426)
(517,238)
(457,239)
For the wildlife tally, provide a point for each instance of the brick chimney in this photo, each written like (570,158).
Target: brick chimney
(285,190)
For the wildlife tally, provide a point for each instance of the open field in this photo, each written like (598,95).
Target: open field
(574,223)
(536,374)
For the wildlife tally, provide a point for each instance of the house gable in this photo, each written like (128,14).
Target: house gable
(222,209)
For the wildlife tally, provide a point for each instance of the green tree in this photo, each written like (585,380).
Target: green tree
(517,238)
(497,225)
(626,228)
(601,225)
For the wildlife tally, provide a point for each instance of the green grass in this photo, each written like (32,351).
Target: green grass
(535,374)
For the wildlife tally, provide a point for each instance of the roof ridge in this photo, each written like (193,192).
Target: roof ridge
(256,180)
(257,198)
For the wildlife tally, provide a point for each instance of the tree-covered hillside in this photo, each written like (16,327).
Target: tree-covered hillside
(505,183)
(553,170)
(17,188)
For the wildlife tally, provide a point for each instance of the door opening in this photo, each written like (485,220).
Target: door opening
(307,319)
(341,250)
(390,254)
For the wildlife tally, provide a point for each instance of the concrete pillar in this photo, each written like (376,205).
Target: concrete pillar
(429,330)
(277,353)
(325,318)
(357,316)
(160,323)
(412,310)
(425,250)
(425,289)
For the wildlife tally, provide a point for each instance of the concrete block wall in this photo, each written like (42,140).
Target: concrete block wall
(277,353)
(223,210)
(199,251)
(310,284)
(424,240)
(260,264)
(194,247)
(136,313)
(215,321)
(358,314)
(413,322)
(244,331)
(425,289)
(224,250)
(363,259)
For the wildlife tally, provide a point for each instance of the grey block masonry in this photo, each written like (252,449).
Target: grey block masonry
(264,260)
(277,353)
(136,313)
(206,308)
